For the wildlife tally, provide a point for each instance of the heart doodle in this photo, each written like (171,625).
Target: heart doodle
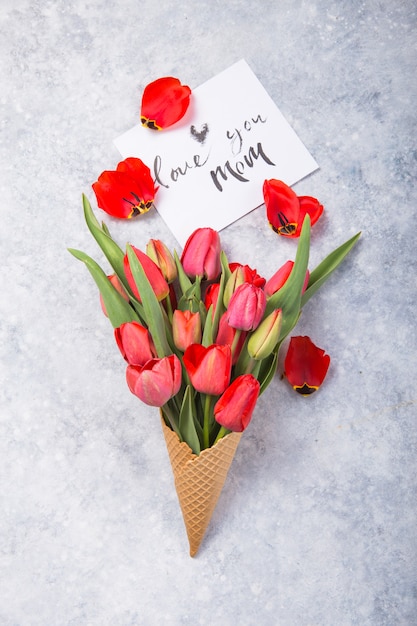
(199,135)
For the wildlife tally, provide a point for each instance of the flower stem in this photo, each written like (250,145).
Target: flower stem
(235,341)
(222,433)
(250,365)
(207,419)
(170,419)
(169,307)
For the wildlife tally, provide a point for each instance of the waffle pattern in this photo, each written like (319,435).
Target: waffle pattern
(199,480)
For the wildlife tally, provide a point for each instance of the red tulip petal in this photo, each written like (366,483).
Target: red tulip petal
(126,192)
(279,279)
(282,207)
(164,102)
(305,365)
(310,206)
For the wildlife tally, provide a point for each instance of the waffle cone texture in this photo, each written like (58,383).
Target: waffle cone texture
(199,480)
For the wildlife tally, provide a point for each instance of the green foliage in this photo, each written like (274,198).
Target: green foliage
(118,309)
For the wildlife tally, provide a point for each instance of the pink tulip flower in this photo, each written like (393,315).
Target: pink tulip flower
(246,307)
(156,381)
(186,329)
(201,254)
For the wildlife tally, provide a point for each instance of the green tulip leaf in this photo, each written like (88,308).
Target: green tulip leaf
(268,369)
(191,298)
(288,298)
(118,309)
(184,281)
(111,250)
(151,307)
(208,338)
(322,272)
(187,425)
(220,309)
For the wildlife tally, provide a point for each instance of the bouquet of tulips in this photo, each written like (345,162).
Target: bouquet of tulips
(201,338)
(201,335)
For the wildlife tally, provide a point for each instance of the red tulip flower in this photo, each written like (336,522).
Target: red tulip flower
(209,368)
(246,307)
(156,381)
(164,102)
(286,211)
(186,329)
(113,278)
(135,343)
(280,277)
(241,274)
(248,274)
(211,296)
(234,408)
(226,336)
(126,192)
(305,365)
(201,254)
(153,273)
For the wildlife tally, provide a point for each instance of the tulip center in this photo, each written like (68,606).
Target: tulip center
(139,207)
(305,390)
(287,227)
(149,123)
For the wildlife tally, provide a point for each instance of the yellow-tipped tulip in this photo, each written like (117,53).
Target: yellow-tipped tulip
(264,339)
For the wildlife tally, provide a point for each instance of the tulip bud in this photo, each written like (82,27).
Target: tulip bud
(162,257)
(280,277)
(135,343)
(186,329)
(201,254)
(264,339)
(156,381)
(246,307)
(235,407)
(236,279)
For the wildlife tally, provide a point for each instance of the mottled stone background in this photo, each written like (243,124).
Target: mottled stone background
(316,525)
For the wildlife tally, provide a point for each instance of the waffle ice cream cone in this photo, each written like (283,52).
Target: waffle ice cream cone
(199,480)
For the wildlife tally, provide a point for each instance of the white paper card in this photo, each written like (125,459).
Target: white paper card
(211,165)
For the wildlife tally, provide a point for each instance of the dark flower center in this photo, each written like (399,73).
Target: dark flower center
(149,123)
